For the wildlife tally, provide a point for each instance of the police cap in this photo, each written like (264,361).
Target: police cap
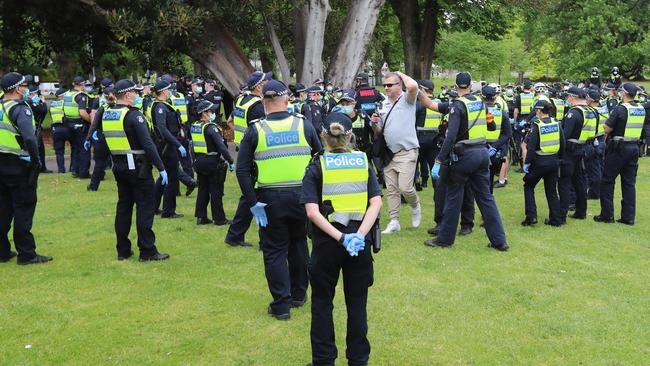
(33,89)
(147,85)
(426,84)
(576,92)
(528,83)
(300,88)
(205,105)
(463,80)
(593,94)
(544,105)
(337,117)
(362,76)
(161,85)
(60,91)
(124,85)
(274,88)
(108,90)
(610,86)
(319,81)
(314,89)
(78,80)
(12,80)
(210,82)
(630,89)
(257,77)
(168,78)
(197,81)
(489,91)
(106,82)
(348,96)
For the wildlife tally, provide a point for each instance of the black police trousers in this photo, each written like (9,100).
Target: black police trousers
(167,193)
(547,168)
(79,154)
(620,161)
(594,164)
(60,134)
(211,173)
(284,246)
(573,177)
(139,191)
(328,259)
(467,211)
(240,222)
(426,155)
(101,155)
(17,205)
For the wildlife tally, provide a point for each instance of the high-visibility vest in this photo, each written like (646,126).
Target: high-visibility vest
(634,124)
(282,152)
(345,183)
(431,120)
(198,137)
(10,139)
(239,116)
(294,107)
(526,100)
(540,97)
(113,129)
(497,113)
(56,111)
(603,113)
(589,125)
(476,122)
(70,106)
(180,105)
(358,122)
(502,102)
(549,137)
(559,108)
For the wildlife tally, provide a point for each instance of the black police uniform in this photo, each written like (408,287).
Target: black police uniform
(646,129)
(62,132)
(101,155)
(284,239)
(328,259)
(501,145)
(168,124)
(40,111)
(542,167)
(17,193)
(572,171)
(428,141)
(471,168)
(215,97)
(211,173)
(243,216)
(80,164)
(621,158)
(315,113)
(136,186)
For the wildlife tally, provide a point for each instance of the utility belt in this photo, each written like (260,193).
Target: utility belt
(543,155)
(141,163)
(575,145)
(460,147)
(616,143)
(73,122)
(289,188)
(426,131)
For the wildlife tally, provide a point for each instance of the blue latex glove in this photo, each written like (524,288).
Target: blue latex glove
(435,171)
(522,124)
(26,158)
(492,151)
(352,243)
(260,214)
(95,136)
(87,145)
(526,168)
(164,177)
(182,150)
(360,243)
(512,121)
(231,167)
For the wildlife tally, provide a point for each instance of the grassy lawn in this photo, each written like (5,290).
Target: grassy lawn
(575,295)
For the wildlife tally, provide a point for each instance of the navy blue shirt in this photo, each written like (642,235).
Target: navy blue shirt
(572,123)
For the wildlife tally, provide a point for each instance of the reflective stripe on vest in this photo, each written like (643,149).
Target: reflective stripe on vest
(526,100)
(70,106)
(345,183)
(476,123)
(432,120)
(634,124)
(497,114)
(56,111)
(198,136)
(180,105)
(603,113)
(9,135)
(239,116)
(282,152)
(549,137)
(358,122)
(113,129)
(559,108)
(589,124)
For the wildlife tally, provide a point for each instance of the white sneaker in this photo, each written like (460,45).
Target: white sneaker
(416,216)
(392,227)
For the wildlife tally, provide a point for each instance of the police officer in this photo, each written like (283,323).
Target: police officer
(96,138)
(248,108)
(313,109)
(367,96)
(594,160)
(179,102)
(615,77)
(545,149)
(522,111)
(167,122)
(464,148)
(623,129)
(19,168)
(211,154)
(342,199)
(594,78)
(61,131)
(214,96)
(427,125)
(77,119)
(39,108)
(360,121)
(133,152)
(498,139)
(193,100)
(579,126)
(281,146)
(298,98)
(612,96)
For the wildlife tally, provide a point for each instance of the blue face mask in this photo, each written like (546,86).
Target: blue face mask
(199,90)
(347,109)
(36,99)
(212,117)
(102,100)
(137,100)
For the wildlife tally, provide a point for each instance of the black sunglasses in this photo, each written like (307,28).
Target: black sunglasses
(389,85)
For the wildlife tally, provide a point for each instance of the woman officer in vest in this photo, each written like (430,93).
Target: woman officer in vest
(342,199)
(210,151)
(545,149)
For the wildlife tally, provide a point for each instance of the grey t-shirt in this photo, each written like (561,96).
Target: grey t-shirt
(399,130)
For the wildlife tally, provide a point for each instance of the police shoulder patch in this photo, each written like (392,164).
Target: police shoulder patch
(28,112)
(569,115)
(452,110)
(160,111)
(140,119)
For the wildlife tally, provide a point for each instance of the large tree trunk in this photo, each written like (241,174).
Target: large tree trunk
(358,29)
(299,29)
(277,48)
(312,66)
(418,35)
(223,57)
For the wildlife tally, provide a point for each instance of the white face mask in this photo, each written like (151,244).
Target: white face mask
(88,89)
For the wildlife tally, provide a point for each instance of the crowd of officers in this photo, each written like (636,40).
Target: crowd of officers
(304,155)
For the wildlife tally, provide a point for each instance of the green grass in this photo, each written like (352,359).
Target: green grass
(568,296)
